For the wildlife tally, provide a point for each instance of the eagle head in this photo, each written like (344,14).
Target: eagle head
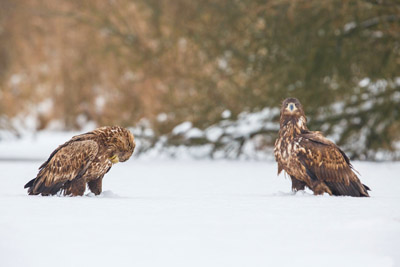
(121,145)
(127,146)
(292,110)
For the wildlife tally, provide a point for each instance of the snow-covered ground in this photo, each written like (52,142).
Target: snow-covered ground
(199,213)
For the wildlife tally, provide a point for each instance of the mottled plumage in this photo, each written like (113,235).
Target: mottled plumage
(312,160)
(84,159)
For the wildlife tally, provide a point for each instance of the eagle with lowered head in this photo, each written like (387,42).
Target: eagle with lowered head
(312,160)
(84,159)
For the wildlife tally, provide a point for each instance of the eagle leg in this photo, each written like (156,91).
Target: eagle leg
(96,185)
(75,187)
(297,185)
(319,188)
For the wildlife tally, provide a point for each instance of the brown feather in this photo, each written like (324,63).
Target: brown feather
(311,158)
(81,160)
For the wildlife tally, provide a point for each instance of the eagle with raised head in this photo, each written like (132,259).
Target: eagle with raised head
(312,160)
(84,159)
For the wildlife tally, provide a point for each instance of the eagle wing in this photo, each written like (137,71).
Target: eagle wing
(324,161)
(68,162)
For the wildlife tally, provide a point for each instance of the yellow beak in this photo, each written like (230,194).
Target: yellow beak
(114,159)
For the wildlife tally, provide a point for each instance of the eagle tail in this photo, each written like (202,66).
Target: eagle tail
(41,188)
(366,188)
(354,189)
(30,183)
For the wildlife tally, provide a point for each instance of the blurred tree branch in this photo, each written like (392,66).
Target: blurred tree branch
(117,62)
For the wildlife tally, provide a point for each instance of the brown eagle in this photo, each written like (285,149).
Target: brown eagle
(312,160)
(84,159)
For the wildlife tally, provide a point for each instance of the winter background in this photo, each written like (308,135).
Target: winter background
(199,83)
(159,211)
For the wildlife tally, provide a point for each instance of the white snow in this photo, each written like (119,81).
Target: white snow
(213,133)
(100,101)
(182,128)
(199,213)
(16,79)
(349,26)
(162,117)
(222,63)
(33,146)
(226,114)
(364,82)
(194,133)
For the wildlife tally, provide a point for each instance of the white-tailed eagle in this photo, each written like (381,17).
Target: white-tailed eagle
(84,159)
(312,160)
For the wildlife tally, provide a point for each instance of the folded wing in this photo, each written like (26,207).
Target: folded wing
(324,161)
(68,162)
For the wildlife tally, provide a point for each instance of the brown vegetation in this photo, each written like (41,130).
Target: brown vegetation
(116,62)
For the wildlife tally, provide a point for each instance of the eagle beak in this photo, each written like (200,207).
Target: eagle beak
(291,107)
(114,159)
